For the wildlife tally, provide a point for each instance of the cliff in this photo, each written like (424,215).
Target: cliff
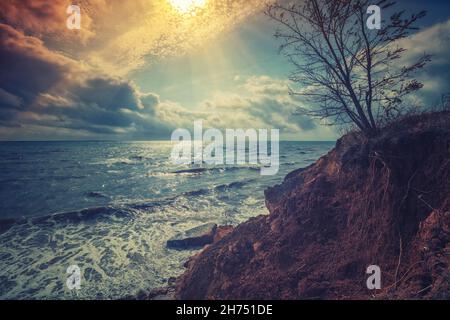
(382,201)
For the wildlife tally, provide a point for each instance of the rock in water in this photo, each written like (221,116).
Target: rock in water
(194,238)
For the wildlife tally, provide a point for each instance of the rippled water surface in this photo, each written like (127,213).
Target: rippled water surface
(110,207)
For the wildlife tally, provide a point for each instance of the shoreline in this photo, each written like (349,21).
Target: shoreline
(331,220)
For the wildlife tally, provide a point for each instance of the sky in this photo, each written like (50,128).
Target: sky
(137,70)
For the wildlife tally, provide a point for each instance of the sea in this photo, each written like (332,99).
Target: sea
(108,208)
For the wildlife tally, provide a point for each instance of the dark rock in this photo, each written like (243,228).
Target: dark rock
(194,238)
(94,194)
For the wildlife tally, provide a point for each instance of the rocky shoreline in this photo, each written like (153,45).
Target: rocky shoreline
(382,201)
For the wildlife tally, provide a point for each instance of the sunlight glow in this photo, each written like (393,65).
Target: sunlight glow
(187,6)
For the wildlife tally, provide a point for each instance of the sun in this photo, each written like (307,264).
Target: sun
(187,6)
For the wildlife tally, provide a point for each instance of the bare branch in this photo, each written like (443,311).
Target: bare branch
(347,72)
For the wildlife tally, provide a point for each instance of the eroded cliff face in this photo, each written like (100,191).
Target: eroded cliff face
(383,201)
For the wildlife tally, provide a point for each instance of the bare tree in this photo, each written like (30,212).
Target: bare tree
(348,73)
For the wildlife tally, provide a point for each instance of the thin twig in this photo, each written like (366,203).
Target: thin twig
(408,187)
(405,274)
(427,204)
(422,290)
(399,259)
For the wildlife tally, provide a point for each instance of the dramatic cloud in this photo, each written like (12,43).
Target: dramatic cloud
(155,29)
(121,36)
(262,102)
(38,17)
(39,87)
(46,19)
(435,41)
(265,103)
(28,68)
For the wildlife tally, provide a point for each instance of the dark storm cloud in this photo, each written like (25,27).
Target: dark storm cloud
(9,100)
(268,107)
(40,88)
(27,67)
(110,94)
(435,76)
(44,88)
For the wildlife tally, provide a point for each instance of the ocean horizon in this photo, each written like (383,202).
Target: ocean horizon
(110,206)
